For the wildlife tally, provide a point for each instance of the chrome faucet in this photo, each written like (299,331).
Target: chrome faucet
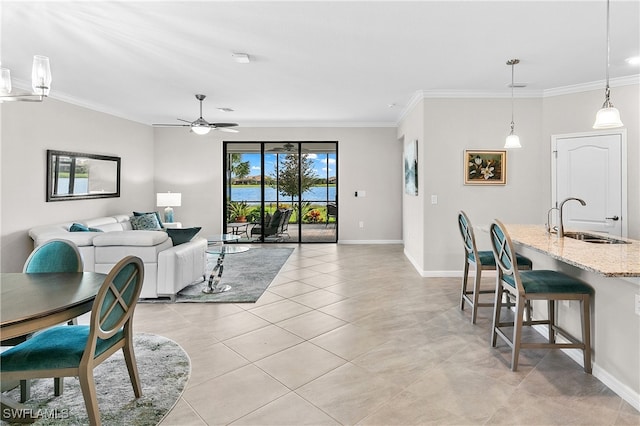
(561,224)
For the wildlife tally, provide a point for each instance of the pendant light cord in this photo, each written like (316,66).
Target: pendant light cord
(607,90)
(512,124)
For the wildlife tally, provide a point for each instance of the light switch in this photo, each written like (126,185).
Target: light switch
(434,199)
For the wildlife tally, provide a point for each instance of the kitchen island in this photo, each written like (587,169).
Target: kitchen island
(613,270)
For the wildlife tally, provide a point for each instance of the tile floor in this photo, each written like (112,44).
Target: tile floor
(352,335)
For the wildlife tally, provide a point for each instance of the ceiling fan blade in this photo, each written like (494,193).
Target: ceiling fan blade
(170,125)
(186,121)
(224,124)
(226,129)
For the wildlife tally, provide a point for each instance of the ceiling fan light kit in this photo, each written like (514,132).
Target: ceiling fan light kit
(40,82)
(200,126)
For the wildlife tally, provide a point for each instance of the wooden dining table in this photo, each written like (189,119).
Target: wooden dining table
(32,302)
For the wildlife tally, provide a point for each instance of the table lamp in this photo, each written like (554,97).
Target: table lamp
(168,200)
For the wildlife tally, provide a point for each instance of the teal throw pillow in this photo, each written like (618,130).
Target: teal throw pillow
(154,213)
(78,227)
(182,235)
(145,222)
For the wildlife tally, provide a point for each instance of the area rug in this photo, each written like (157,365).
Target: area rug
(249,274)
(164,370)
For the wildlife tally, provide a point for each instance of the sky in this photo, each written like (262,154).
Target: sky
(320,163)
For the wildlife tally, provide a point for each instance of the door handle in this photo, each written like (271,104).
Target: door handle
(613,218)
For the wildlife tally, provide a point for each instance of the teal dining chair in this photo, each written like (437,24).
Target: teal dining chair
(480,261)
(526,286)
(55,255)
(75,350)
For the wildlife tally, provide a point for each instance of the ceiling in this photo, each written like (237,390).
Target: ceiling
(312,62)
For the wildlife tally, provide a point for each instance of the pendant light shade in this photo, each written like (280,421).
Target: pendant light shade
(512,141)
(608,117)
(41,75)
(40,82)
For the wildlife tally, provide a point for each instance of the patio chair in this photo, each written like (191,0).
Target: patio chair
(332,212)
(272,225)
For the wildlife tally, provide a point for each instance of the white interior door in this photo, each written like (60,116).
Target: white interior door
(591,166)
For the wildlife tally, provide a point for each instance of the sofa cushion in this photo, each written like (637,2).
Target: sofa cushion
(182,235)
(147,221)
(77,227)
(96,222)
(157,215)
(130,238)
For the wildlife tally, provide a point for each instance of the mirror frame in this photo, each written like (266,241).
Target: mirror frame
(65,197)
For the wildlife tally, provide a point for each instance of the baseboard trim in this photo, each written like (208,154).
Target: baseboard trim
(622,390)
(369,241)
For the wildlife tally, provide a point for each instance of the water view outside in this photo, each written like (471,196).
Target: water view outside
(252,194)
(80,186)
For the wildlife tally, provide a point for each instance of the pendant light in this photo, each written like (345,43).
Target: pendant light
(608,117)
(40,82)
(512,141)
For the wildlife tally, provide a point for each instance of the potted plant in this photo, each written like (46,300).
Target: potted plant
(238,211)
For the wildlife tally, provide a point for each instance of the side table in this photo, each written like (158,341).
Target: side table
(215,245)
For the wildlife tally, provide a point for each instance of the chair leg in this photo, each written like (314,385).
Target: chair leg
(476,293)
(25,390)
(517,332)
(465,276)
(58,385)
(132,368)
(497,307)
(551,306)
(586,332)
(88,386)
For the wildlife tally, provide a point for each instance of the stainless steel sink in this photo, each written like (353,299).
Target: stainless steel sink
(593,238)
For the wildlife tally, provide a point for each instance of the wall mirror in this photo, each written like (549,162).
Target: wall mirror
(78,176)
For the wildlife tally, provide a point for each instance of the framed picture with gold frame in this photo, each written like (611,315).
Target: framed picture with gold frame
(485,167)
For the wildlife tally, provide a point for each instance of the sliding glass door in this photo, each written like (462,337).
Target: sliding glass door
(282,191)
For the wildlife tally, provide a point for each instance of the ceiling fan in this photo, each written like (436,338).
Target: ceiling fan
(288,148)
(202,126)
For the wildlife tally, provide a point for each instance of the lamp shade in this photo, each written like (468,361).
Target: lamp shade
(168,199)
(41,75)
(607,118)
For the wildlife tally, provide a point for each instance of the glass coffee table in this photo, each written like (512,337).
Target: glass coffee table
(216,245)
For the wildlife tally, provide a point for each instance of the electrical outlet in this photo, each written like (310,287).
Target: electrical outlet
(637,304)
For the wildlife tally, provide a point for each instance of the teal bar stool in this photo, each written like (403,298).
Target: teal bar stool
(525,286)
(480,261)
(75,350)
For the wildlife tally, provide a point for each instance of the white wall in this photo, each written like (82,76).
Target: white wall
(28,130)
(369,159)
(575,113)
(412,129)
(446,127)
(450,127)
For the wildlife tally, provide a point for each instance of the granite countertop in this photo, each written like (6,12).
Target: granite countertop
(610,260)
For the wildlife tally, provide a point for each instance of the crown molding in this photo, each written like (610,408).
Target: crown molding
(420,95)
(629,80)
(323,124)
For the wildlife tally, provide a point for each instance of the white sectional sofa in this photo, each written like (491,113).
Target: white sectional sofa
(167,268)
